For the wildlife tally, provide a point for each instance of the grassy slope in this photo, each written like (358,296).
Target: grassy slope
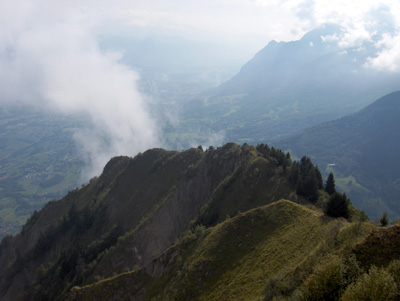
(380,247)
(236,259)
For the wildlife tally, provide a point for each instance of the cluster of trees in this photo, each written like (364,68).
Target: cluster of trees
(283,159)
(306,178)
(338,204)
(308,181)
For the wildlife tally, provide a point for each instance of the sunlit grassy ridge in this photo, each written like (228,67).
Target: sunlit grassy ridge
(237,259)
(239,256)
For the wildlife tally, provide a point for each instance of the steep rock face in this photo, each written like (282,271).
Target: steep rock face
(171,218)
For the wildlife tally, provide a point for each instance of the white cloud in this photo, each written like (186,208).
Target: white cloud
(363,22)
(214,139)
(355,36)
(49,57)
(350,37)
(388,56)
(330,38)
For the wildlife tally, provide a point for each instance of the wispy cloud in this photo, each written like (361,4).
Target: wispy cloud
(388,56)
(49,57)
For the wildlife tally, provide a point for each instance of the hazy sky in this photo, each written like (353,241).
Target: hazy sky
(264,19)
(50,57)
(256,22)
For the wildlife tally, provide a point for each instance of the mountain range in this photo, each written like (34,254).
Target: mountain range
(286,87)
(289,86)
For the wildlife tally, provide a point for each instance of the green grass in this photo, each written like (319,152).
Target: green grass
(239,256)
(349,184)
(380,247)
(237,259)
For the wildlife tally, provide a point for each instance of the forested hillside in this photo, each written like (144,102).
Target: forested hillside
(362,149)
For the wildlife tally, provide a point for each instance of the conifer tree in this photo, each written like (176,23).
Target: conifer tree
(338,206)
(308,185)
(384,220)
(319,178)
(330,186)
(295,174)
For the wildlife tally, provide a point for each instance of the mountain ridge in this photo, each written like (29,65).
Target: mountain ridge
(226,222)
(90,230)
(254,230)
